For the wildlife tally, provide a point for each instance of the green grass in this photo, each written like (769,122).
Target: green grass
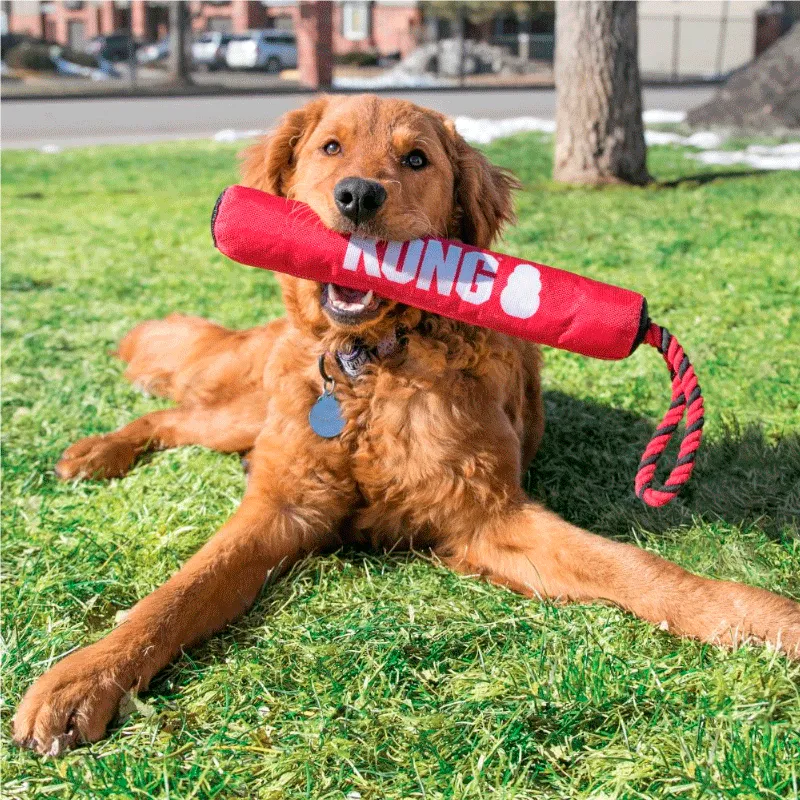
(389,676)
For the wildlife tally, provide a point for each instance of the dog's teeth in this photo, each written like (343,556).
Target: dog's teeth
(342,305)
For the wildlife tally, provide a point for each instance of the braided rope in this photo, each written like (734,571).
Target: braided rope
(686,399)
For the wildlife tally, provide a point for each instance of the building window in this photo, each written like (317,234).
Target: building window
(220,24)
(355,21)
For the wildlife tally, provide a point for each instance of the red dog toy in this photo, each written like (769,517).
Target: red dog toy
(479,287)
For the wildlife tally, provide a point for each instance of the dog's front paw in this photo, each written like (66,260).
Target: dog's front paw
(96,457)
(70,704)
(788,638)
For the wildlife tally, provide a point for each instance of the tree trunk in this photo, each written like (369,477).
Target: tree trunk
(461,32)
(599,130)
(178,40)
(315,44)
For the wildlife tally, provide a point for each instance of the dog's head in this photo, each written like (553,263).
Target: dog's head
(382,168)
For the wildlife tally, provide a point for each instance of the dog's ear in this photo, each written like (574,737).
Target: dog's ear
(483,202)
(269,163)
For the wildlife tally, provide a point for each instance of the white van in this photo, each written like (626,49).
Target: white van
(272,50)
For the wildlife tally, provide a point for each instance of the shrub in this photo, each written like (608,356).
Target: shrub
(80,58)
(358,59)
(40,56)
(8,41)
(32,55)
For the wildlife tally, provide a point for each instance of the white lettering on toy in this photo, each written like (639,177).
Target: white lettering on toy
(435,262)
(476,278)
(362,249)
(403,262)
(520,298)
(410,263)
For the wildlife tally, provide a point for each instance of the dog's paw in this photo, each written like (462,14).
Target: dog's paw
(70,704)
(788,638)
(96,457)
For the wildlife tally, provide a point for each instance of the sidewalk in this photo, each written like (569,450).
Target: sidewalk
(154,83)
(149,83)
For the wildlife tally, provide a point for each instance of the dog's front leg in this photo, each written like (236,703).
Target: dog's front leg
(78,697)
(533,551)
(228,427)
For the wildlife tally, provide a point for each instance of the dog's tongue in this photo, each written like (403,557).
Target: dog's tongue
(349,295)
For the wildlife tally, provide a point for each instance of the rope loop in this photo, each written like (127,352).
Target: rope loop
(686,400)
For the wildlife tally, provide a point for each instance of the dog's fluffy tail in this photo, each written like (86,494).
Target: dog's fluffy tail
(159,351)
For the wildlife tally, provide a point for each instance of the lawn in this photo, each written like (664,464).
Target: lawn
(382,677)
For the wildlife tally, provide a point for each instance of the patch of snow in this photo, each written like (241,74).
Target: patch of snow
(50,149)
(232,135)
(705,140)
(101,73)
(452,57)
(483,131)
(788,149)
(758,156)
(393,79)
(662,137)
(659,116)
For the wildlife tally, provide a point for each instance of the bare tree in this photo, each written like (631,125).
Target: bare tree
(179,18)
(599,130)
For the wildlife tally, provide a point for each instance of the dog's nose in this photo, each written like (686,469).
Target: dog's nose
(359,199)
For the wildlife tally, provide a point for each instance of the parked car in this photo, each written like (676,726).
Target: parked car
(272,50)
(112,46)
(209,49)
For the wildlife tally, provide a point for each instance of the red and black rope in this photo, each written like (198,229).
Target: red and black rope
(686,399)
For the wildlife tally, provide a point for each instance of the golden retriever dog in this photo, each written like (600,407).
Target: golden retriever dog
(441,421)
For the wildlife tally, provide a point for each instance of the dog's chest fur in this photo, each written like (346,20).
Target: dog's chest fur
(429,443)
(427,438)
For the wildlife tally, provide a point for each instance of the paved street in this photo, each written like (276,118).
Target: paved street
(73,123)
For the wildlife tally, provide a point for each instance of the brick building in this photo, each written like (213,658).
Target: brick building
(385,26)
(676,38)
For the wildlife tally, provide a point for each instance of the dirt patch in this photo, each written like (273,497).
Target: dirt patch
(763,96)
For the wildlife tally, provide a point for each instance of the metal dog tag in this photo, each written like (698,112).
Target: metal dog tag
(325,417)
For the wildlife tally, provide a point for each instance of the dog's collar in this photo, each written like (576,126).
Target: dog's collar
(353,362)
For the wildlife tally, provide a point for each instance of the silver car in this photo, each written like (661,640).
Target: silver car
(209,49)
(272,50)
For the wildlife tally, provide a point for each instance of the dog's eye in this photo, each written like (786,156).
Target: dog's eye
(416,159)
(332,148)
